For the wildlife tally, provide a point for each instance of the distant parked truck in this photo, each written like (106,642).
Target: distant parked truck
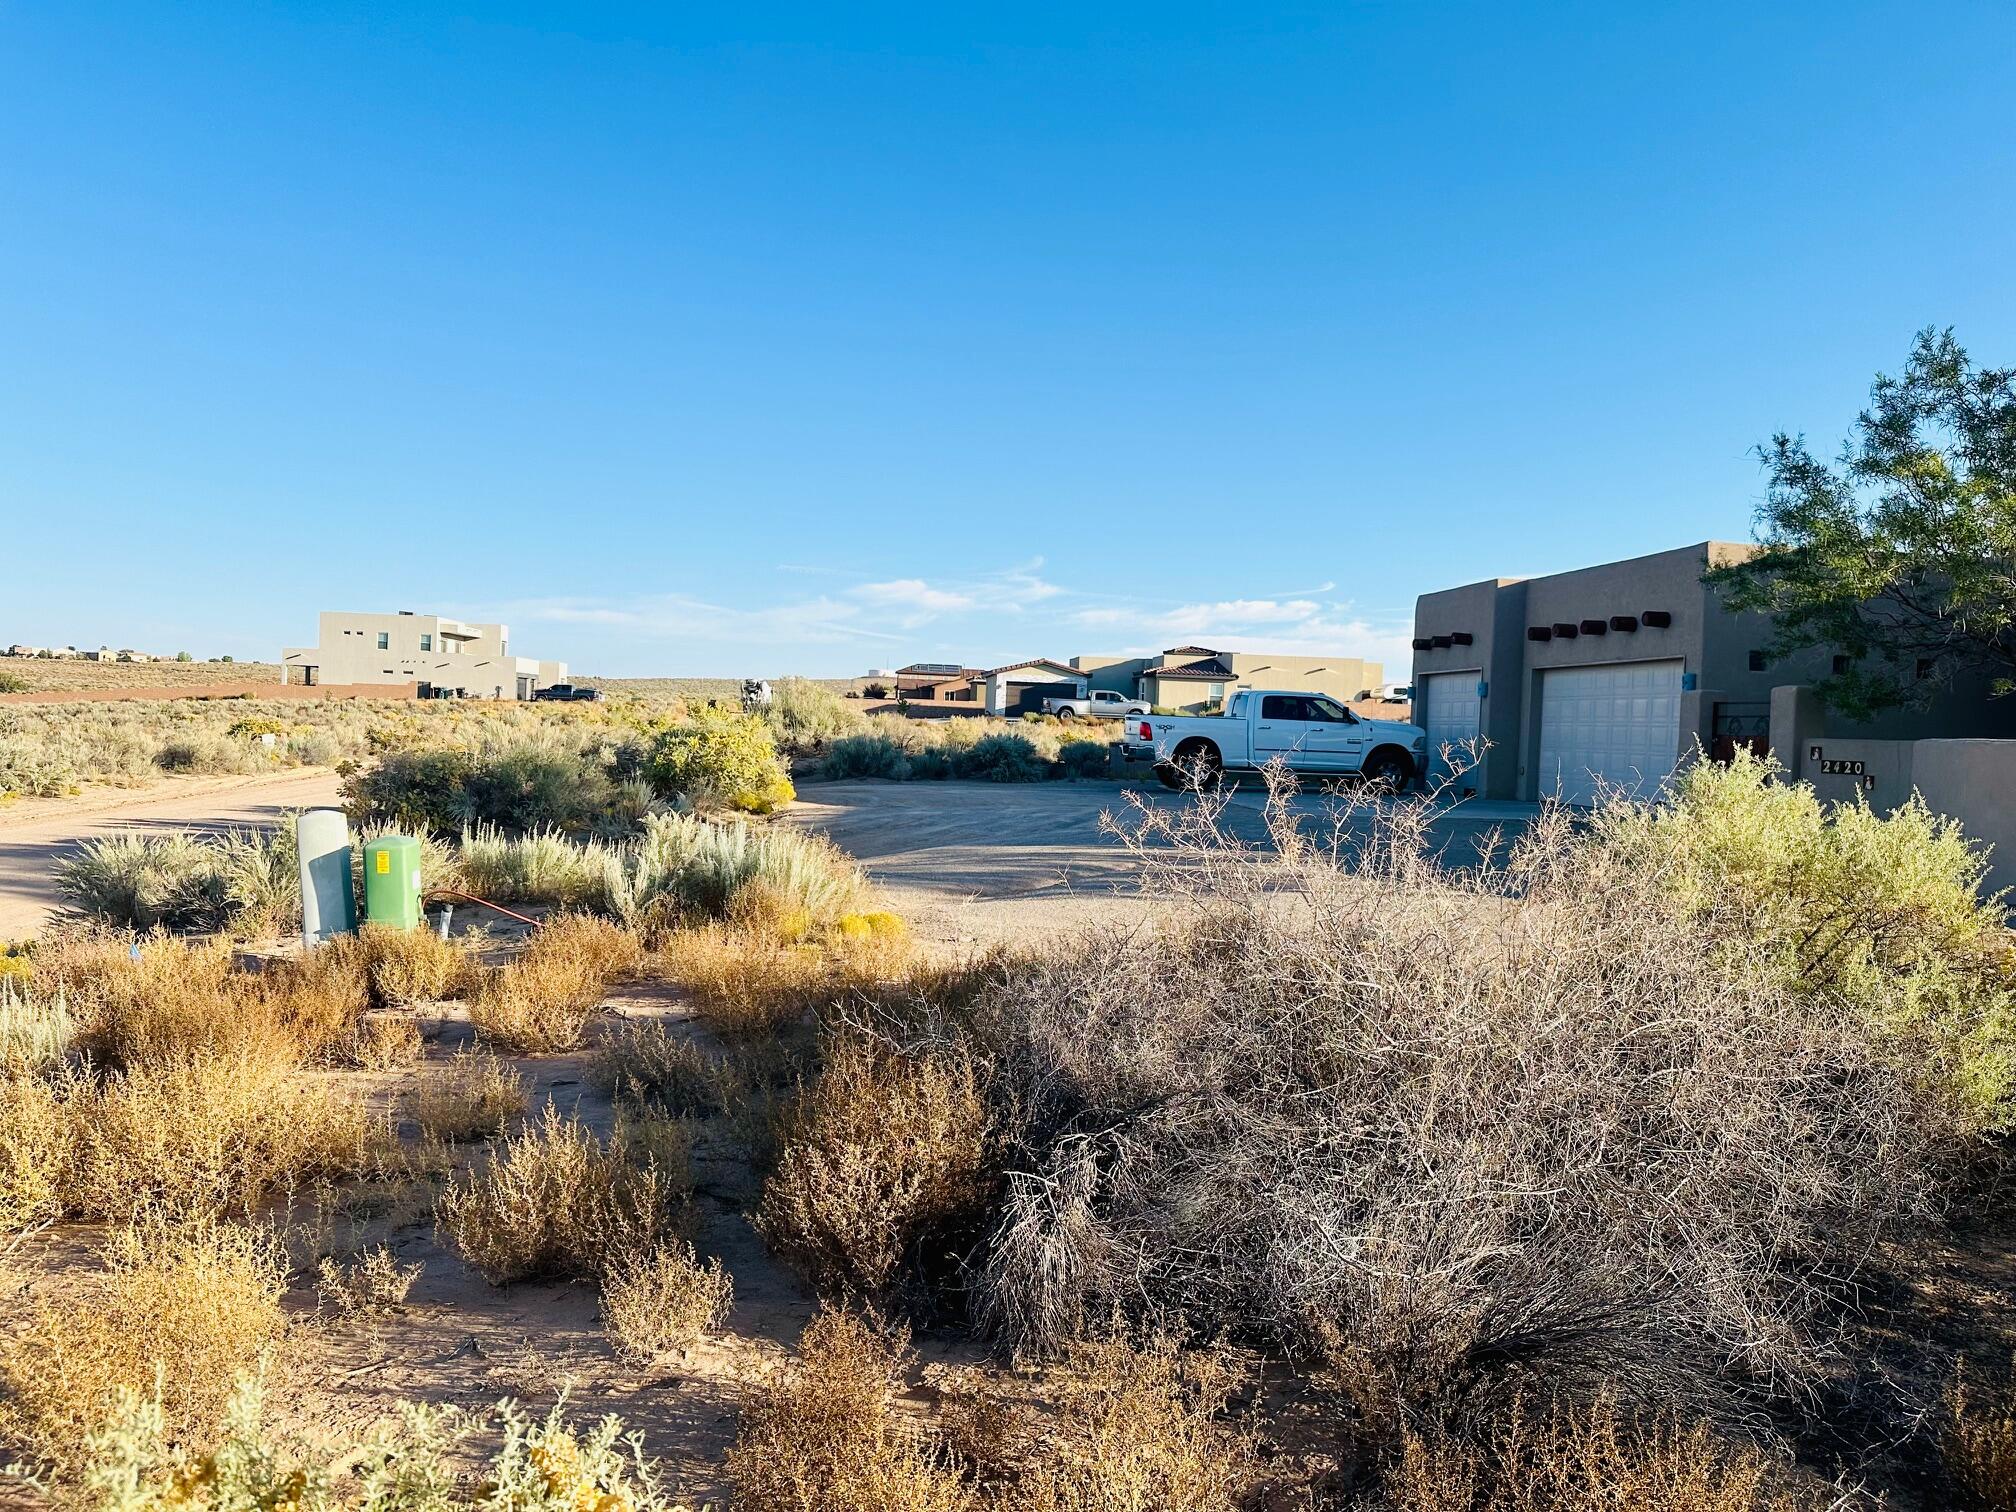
(1311,734)
(1100,703)
(567,693)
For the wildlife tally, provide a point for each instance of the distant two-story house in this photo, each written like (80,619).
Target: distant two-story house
(445,657)
(1194,678)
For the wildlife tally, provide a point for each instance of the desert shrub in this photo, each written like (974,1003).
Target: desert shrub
(144,881)
(1140,1425)
(653,1067)
(1883,913)
(555,1200)
(373,1281)
(36,1028)
(246,881)
(473,1097)
(1978,1446)
(178,1308)
(542,1001)
(854,756)
(429,1459)
(720,758)
(747,982)
(414,790)
(807,714)
(826,1438)
(1579,1460)
(663,1301)
(528,785)
(35,1144)
(207,1134)
(13,682)
(1085,758)
(32,770)
(1001,758)
(386,1040)
(413,965)
(543,866)
(157,1000)
(1455,1133)
(883,1170)
(684,867)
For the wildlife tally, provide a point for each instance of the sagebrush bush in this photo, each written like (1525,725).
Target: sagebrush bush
(543,866)
(473,1097)
(1001,758)
(858,756)
(882,1172)
(655,1303)
(1884,913)
(1456,1133)
(413,965)
(37,1028)
(180,1308)
(825,1436)
(806,714)
(555,1200)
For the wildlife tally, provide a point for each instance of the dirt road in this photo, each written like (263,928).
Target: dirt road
(32,843)
(976,863)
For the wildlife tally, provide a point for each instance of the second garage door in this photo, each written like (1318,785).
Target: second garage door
(1613,727)
(1449,707)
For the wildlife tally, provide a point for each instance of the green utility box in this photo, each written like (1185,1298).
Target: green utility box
(392,881)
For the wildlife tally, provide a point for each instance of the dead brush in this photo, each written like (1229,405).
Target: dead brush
(541,1002)
(883,1171)
(749,982)
(373,1281)
(1978,1446)
(206,1135)
(473,1097)
(1140,1424)
(407,966)
(1581,1460)
(826,1437)
(179,1306)
(656,1303)
(164,1000)
(1461,1133)
(36,1141)
(555,1200)
(654,1067)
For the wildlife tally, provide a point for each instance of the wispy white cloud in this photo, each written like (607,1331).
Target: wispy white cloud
(679,617)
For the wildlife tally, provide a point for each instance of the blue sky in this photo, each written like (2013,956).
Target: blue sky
(761,338)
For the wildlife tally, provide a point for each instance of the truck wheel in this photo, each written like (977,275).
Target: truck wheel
(1388,770)
(1197,764)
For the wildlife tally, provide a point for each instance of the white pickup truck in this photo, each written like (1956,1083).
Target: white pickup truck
(1312,733)
(1100,703)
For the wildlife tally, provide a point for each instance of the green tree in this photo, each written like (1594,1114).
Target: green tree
(1902,554)
(182,656)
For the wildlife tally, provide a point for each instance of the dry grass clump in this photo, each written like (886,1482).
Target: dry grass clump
(555,1200)
(374,1281)
(1462,1135)
(541,1002)
(750,979)
(1978,1447)
(185,1307)
(826,1436)
(473,1097)
(1586,1460)
(664,1301)
(35,1143)
(1140,1425)
(883,1169)
(655,1067)
(413,965)
(206,1135)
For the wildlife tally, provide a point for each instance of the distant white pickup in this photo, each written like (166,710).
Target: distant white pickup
(1309,733)
(1100,703)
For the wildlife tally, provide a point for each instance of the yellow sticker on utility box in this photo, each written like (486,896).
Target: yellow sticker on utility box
(384,862)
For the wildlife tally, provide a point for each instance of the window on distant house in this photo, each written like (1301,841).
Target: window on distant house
(426,643)
(384,640)
(1756,661)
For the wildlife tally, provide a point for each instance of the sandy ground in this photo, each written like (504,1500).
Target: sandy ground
(35,835)
(978,863)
